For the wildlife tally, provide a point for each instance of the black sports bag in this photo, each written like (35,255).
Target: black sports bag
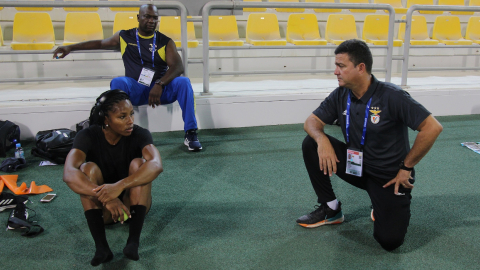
(9,136)
(54,144)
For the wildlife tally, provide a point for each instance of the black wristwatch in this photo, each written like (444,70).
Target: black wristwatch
(405,168)
(159,81)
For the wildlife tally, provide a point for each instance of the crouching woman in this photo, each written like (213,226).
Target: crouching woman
(111,166)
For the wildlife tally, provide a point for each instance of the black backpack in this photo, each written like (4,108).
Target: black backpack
(54,145)
(9,136)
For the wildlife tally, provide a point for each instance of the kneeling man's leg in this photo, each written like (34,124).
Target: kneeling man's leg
(95,216)
(392,215)
(139,199)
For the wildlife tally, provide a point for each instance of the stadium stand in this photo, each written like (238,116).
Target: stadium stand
(375,30)
(474,3)
(473,29)
(254,9)
(124,9)
(323,10)
(358,2)
(263,30)
(32,31)
(290,10)
(35,8)
(422,2)
(82,26)
(447,30)
(396,4)
(81,9)
(419,32)
(340,27)
(302,29)
(454,3)
(170,26)
(223,31)
(124,21)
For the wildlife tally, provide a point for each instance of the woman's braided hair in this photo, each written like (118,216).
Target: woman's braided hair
(104,104)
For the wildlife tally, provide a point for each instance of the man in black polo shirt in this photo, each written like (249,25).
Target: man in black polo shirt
(376,157)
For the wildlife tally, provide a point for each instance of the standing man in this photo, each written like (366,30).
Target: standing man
(376,157)
(152,69)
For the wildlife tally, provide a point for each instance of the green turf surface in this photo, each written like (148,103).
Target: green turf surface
(234,206)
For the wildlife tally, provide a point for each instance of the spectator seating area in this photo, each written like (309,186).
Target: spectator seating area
(33,29)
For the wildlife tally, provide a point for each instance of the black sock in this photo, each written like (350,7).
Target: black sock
(136,223)
(97,229)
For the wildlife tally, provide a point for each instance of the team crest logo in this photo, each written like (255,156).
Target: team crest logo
(151,47)
(375,117)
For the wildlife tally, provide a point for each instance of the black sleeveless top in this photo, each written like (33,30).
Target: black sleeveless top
(131,56)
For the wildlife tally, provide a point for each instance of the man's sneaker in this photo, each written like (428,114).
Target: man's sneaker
(323,215)
(18,218)
(191,141)
(8,200)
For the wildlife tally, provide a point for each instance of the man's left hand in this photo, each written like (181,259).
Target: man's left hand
(107,192)
(401,179)
(155,94)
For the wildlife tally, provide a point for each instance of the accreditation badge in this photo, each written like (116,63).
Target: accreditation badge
(146,76)
(354,162)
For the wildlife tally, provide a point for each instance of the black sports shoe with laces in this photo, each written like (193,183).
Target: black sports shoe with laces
(322,215)
(18,218)
(9,200)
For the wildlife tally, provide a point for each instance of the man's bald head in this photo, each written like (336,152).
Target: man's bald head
(145,7)
(147,19)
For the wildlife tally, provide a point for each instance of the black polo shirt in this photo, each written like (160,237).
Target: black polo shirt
(392,110)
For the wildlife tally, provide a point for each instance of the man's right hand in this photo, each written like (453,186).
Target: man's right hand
(64,50)
(327,157)
(154,96)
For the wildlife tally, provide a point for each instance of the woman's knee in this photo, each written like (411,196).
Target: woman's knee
(92,171)
(135,164)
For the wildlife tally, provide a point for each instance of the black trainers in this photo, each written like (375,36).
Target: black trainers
(18,218)
(9,200)
(191,141)
(322,215)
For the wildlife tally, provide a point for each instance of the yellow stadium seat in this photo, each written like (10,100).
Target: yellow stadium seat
(454,3)
(423,2)
(82,26)
(288,9)
(82,9)
(1,36)
(223,31)
(419,32)
(323,10)
(35,8)
(473,29)
(32,31)
(302,29)
(340,27)
(396,4)
(474,3)
(358,2)
(125,8)
(375,30)
(125,21)
(170,26)
(263,30)
(254,9)
(447,30)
